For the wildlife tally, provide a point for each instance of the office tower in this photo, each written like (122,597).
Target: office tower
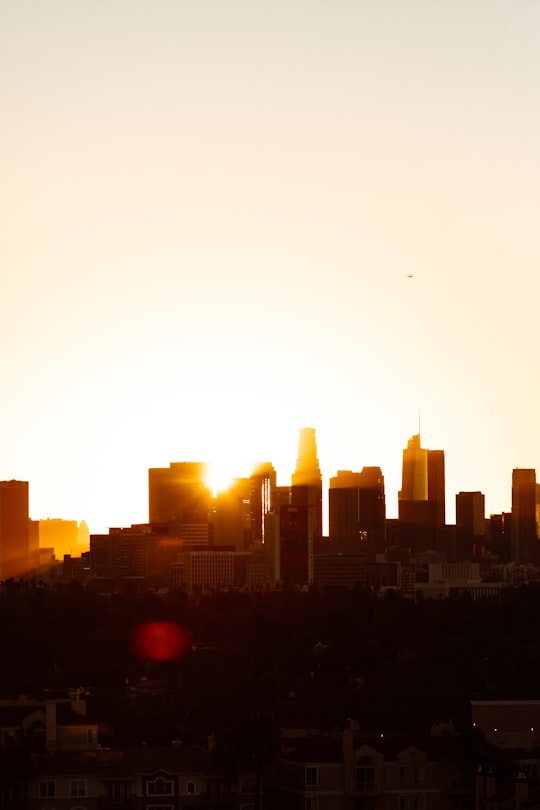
(357,512)
(62,535)
(261,495)
(524,508)
(231,515)
(470,526)
(14,529)
(500,533)
(421,500)
(179,493)
(306,482)
(140,553)
(296,544)
(307,464)
(436,485)
(414,475)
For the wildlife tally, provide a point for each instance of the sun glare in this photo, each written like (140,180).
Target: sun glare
(219,478)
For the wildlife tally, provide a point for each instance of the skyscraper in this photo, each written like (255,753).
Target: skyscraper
(14,529)
(524,530)
(306,482)
(261,495)
(179,493)
(421,500)
(470,526)
(414,472)
(357,512)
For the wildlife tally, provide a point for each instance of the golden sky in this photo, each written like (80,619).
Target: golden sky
(209,212)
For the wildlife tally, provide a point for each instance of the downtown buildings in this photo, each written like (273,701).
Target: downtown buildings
(257,534)
(260,535)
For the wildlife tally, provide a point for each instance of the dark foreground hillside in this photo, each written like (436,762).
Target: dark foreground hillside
(269,659)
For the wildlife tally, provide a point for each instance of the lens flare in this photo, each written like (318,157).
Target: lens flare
(161,641)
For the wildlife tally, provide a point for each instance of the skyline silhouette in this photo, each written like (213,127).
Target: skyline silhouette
(422,482)
(225,222)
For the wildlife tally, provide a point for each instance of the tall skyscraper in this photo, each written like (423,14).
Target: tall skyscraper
(414,472)
(357,512)
(306,482)
(525,499)
(231,515)
(421,500)
(262,496)
(470,526)
(179,493)
(14,529)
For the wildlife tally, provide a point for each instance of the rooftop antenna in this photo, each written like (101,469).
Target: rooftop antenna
(419,422)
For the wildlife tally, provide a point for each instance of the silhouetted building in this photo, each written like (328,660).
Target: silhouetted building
(470,526)
(62,535)
(14,529)
(357,512)
(211,570)
(339,571)
(143,552)
(500,531)
(231,515)
(421,500)
(180,493)
(261,495)
(296,544)
(306,482)
(524,505)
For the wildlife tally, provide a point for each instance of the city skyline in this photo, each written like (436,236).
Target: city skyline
(225,221)
(217,482)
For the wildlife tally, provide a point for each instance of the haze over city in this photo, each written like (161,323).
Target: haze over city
(224,221)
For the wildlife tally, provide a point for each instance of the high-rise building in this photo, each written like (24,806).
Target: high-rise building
(231,515)
(470,526)
(62,535)
(306,482)
(524,516)
(296,544)
(357,512)
(14,529)
(179,492)
(421,500)
(414,476)
(261,496)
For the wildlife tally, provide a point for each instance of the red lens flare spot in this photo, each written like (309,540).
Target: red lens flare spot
(161,641)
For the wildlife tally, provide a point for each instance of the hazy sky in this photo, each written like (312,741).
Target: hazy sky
(209,210)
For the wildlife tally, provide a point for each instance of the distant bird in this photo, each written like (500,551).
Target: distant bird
(410,275)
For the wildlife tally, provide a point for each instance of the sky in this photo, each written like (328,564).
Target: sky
(223,221)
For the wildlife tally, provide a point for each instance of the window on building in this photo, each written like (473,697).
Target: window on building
(411,803)
(90,736)
(117,792)
(159,787)
(77,787)
(191,788)
(412,774)
(311,803)
(47,789)
(311,777)
(365,774)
